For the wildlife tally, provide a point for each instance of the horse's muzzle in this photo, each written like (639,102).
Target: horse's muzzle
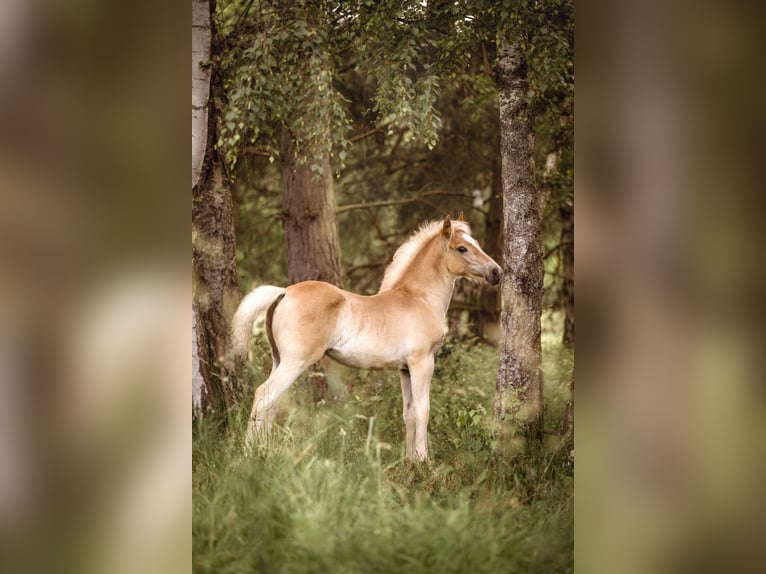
(493,275)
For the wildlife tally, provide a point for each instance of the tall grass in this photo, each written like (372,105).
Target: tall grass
(332,493)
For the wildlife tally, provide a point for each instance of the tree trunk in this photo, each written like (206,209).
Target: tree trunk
(494,248)
(518,397)
(215,291)
(200,99)
(213,246)
(567,425)
(201,39)
(309,218)
(311,231)
(566,295)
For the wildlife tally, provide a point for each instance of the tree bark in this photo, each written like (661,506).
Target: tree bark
(200,97)
(490,304)
(213,245)
(308,211)
(215,291)
(311,231)
(566,295)
(567,424)
(518,397)
(201,40)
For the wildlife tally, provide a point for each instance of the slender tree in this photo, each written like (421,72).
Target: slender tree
(519,382)
(567,423)
(213,259)
(200,99)
(490,304)
(566,293)
(531,44)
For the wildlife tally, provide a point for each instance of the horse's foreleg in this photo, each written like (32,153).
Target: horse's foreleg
(407,412)
(420,374)
(266,396)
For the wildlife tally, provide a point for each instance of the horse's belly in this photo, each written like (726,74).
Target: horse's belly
(364,356)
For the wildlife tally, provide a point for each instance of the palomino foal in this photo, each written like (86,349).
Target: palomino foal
(401,327)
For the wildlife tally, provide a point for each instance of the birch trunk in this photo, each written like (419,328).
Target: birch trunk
(213,246)
(200,83)
(200,97)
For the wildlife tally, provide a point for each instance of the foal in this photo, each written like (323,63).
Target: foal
(401,327)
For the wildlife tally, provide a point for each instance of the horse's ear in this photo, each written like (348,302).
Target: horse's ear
(447,227)
(460,217)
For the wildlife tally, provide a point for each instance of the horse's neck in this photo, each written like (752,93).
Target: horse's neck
(428,278)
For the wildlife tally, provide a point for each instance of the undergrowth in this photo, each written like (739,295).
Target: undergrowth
(332,492)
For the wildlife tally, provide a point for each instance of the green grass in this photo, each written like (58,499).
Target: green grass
(332,492)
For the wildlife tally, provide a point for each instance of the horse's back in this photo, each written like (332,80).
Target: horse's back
(319,291)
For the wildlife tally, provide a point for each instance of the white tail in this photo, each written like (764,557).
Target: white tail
(252,307)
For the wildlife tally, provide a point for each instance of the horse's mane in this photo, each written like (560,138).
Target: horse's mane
(410,248)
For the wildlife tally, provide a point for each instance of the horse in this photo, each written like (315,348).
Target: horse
(401,327)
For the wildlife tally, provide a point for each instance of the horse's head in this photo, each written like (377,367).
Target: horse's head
(465,257)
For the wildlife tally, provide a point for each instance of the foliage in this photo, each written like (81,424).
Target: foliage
(260,235)
(377,84)
(332,492)
(545,32)
(277,71)
(392,44)
(281,68)
(550,54)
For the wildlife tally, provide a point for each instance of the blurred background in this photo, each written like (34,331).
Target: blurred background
(94,417)
(670,418)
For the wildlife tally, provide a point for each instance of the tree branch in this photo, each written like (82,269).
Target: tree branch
(243,14)
(260,151)
(364,135)
(374,204)
(553,250)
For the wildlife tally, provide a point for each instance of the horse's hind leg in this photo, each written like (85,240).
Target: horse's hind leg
(266,396)
(275,358)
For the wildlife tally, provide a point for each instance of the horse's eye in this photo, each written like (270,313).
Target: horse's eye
(461,249)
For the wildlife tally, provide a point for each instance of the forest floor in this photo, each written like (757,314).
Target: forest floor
(332,493)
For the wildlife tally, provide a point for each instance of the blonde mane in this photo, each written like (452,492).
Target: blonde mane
(410,249)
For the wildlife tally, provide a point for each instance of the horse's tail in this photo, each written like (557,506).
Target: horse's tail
(249,311)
